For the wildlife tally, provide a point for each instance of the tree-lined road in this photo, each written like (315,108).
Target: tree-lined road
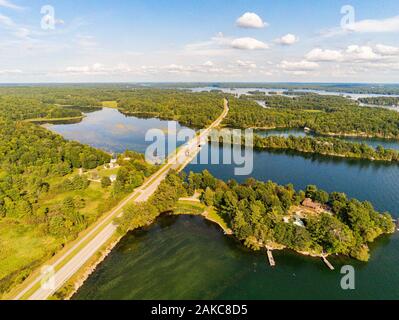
(73,259)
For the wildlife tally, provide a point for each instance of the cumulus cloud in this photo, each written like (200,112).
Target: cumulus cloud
(387,50)
(288,39)
(355,52)
(318,54)
(248,44)
(251,20)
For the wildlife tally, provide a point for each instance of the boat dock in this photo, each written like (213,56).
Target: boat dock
(270,257)
(328,263)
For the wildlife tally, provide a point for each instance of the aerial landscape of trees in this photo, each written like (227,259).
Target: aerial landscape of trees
(255,211)
(325,115)
(326,146)
(381,101)
(44,201)
(191,109)
(51,189)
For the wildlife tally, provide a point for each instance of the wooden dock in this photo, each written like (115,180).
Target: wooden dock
(270,257)
(328,263)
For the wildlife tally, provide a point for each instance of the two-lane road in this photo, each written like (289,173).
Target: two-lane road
(72,260)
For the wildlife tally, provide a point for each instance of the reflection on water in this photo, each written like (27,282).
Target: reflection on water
(189,258)
(186,257)
(372,142)
(112,131)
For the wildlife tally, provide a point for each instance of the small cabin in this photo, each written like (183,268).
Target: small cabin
(112,177)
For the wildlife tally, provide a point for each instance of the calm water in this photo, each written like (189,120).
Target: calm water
(374,142)
(189,258)
(112,131)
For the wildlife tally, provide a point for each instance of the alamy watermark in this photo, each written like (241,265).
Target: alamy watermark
(348,280)
(348,19)
(48,278)
(227,146)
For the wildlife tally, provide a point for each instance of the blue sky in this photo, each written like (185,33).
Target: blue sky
(199,40)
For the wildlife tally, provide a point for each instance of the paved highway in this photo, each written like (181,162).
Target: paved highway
(72,260)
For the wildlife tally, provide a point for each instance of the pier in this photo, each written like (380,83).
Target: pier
(328,263)
(270,257)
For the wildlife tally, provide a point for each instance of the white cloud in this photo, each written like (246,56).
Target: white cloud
(9,5)
(298,66)
(246,64)
(318,54)
(208,64)
(387,50)
(248,44)
(96,69)
(12,27)
(355,52)
(6,21)
(288,39)
(387,25)
(383,25)
(251,20)
(10,71)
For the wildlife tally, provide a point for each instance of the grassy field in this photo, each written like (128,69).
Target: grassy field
(23,247)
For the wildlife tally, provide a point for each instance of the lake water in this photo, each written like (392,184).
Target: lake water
(113,131)
(242,91)
(189,258)
(373,142)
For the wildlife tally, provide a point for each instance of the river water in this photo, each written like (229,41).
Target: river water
(189,258)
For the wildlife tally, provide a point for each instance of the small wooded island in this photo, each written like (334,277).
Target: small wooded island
(264,214)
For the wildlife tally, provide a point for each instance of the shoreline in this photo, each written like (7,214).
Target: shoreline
(327,134)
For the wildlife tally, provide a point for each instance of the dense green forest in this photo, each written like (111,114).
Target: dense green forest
(380,101)
(44,201)
(326,115)
(21,108)
(164,200)
(255,211)
(191,109)
(326,146)
(385,89)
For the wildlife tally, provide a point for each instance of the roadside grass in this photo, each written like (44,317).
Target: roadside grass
(104,220)
(21,246)
(104,223)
